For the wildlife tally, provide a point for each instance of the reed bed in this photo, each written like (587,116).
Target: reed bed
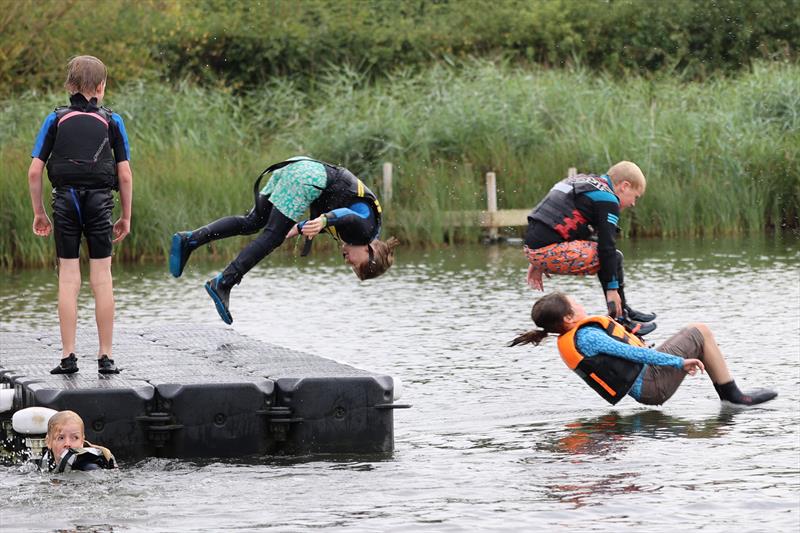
(720,156)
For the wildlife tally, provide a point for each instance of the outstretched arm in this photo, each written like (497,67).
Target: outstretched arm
(593,341)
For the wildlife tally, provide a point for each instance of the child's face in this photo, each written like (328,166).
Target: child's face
(578,312)
(628,193)
(69,435)
(355,255)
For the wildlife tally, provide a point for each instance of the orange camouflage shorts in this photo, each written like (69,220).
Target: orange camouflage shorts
(573,257)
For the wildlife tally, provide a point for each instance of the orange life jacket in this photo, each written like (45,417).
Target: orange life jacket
(610,376)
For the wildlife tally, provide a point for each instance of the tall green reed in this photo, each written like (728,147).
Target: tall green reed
(720,156)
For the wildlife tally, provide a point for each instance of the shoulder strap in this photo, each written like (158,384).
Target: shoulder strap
(106,113)
(60,111)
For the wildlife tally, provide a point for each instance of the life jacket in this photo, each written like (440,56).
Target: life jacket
(81,154)
(610,376)
(90,457)
(341,190)
(558,209)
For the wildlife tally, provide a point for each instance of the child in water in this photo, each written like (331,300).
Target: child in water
(616,363)
(67,448)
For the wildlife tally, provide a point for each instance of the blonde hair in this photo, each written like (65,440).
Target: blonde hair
(627,171)
(59,420)
(85,74)
(383,258)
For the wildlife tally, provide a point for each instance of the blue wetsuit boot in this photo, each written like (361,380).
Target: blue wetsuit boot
(219,288)
(179,252)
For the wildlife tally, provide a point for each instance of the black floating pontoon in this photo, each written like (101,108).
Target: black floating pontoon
(205,392)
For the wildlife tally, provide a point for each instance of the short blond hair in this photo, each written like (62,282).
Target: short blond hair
(60,419)
(85,74)
(627,171)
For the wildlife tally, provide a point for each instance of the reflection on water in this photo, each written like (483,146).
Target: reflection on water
(498,439)
(608,433)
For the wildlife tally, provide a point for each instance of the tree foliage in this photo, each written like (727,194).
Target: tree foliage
(243,43)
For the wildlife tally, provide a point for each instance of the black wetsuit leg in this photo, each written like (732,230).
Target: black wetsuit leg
(278,225)
(234,225)
(620,278)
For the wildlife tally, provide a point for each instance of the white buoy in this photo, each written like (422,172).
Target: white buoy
(6,399)
(32,420)
(397,389)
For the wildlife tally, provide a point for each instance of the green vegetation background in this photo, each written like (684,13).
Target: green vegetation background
(704,95)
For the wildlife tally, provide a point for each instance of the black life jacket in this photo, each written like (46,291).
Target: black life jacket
(342,189)
(609,376)
(90,457)
(81,154)
(558,209)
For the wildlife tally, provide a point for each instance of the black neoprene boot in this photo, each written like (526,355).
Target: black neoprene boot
(106,365)
(634,326)
(638,316)
(68,365)
(637,328)
(729,392)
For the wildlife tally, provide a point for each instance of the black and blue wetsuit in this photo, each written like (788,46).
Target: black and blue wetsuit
(581,208)
(351,209)
(82,145)
(356,224)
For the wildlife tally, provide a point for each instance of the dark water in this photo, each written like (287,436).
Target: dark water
(499,439)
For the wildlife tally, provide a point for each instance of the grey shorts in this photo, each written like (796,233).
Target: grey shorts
(660,382)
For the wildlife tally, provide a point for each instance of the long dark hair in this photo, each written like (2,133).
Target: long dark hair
(383,258)
(548,313)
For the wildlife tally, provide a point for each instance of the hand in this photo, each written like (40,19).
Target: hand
(121,229)
(612,296)
(41,225)
(313,227)
(691,366)
(294,232)
(534,278)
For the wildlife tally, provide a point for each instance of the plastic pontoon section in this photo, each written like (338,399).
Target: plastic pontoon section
(186,391)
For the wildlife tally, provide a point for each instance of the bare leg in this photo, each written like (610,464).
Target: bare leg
(103,289)
(713,359)
(69,285)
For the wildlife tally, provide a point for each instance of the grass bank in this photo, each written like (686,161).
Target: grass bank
(721,156)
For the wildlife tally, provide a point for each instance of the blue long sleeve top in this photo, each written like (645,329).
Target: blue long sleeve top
(591,341)
(355,224)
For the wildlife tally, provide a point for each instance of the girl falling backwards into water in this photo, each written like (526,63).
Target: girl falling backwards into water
(339,203)
(614,362)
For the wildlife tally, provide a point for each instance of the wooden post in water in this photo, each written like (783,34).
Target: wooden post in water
(386,192)
(491,204)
